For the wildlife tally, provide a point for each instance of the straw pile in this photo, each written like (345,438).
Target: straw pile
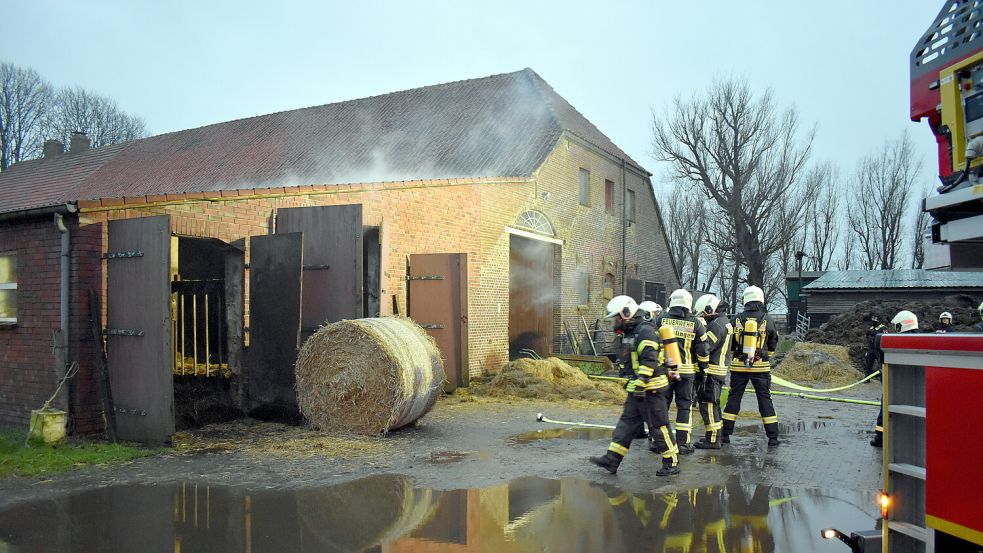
(548,379)
(819,363)
(368,376)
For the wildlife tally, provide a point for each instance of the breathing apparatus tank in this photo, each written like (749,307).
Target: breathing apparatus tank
(750,341)
(671,346)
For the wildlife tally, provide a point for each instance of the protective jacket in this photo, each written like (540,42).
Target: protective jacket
(646,358)
(766,341)
(720,334)
(691,334)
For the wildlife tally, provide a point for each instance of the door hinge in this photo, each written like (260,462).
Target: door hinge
(425,277)
(121,255)
(122,332)
(432,325)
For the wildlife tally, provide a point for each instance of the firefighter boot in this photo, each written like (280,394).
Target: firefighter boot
(706,444)
(608,462)
(878,440)
(668,468)
(725,439)
(773,441)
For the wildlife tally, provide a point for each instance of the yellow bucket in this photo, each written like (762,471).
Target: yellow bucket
(48,425)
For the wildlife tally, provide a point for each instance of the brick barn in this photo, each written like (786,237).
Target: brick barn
(488,210)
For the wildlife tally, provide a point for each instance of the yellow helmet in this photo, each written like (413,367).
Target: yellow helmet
(905,321)
(681,298)
(624,306)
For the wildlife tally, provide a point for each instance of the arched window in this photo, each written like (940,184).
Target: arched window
(534,221)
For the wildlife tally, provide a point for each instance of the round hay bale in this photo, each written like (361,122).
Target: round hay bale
(368,376)
(358,515)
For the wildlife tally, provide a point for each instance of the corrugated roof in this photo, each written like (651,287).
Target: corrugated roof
(498,126)
(897,278)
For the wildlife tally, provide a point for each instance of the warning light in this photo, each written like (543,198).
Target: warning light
(885,501)
(828,533)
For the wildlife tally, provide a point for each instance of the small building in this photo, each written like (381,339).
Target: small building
(794,282)
(489,210)
(838,291)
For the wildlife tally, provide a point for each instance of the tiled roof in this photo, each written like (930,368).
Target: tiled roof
(498,126)
(897,278)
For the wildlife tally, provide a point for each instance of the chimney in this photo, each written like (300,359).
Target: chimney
(79,142)
(53,148)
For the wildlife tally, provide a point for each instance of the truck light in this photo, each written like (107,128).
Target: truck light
(851,541)
(885,502)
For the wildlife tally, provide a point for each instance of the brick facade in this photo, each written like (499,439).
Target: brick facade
(447,216)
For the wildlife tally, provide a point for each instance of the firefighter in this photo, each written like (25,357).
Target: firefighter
(692,340)
(719,335)
(945,323)
(905,321)
(870,359)
(648,392)
(752,363)
(979,326)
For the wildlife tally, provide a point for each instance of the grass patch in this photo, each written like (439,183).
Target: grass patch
(37,460)
(785,345)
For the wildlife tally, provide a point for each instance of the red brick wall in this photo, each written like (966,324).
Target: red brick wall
(27,365)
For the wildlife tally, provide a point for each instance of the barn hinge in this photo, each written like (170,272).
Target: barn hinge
(432,325)
(123,332)
(425,277)
(124,411)
(316,267)
(121,255)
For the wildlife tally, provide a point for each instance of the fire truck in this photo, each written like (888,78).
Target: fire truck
(932,495)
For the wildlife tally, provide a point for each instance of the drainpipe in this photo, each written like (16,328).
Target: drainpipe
(624,226)
(61,346)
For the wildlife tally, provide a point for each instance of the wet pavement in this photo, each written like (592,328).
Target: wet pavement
(388,513)
(483,466)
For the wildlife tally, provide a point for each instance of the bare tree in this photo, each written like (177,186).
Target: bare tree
(881,194)
(748,157)
(848,253)
(823,220)
(920,229)
(99,117)
(683,212)
(24,100)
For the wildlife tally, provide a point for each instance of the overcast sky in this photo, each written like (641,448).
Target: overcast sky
(183,64)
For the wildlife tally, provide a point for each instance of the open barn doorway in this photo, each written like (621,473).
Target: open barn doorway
(206,307)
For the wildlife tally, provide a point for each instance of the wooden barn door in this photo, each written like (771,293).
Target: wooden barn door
(138,329)
(531,296)
(438,301)
(274,320)
(332,274)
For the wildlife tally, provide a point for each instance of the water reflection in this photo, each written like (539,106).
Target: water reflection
(387,514)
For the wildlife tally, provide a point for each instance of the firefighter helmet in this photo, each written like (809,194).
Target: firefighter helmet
(753,293)
(945,315)
(624,306)
(681,298)
(650,308)
(980,309)
(706,304)
(905,321)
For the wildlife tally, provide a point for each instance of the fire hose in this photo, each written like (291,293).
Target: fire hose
(786,384)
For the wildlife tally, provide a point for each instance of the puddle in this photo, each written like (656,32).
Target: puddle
(803,426)
(563,434)
(387,513)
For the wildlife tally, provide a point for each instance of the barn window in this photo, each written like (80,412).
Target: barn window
(630,206)
(8,288)
(583,286)
(609,197)
(584,187)
(536,222)
(608,286)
